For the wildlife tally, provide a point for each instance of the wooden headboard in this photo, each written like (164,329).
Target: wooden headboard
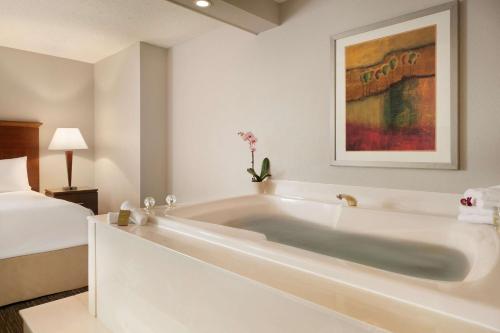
(20,138)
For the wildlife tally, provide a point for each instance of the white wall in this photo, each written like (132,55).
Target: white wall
(130,123)
(153,121)
(277,85)
(57,92)
(117,128)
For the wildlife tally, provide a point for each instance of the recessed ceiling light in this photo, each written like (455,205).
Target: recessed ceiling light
(203,3)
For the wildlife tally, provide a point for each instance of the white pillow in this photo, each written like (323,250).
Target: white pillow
(14,175)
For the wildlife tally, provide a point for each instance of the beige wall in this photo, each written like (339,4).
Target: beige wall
(277,85)
(130,126)
(57,92)
(117,128)
(153,121)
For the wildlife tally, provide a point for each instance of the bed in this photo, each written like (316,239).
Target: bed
(43,241)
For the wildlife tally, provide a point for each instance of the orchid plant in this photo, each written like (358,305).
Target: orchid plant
(264,172)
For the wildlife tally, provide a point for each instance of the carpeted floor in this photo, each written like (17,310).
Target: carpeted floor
(10,320)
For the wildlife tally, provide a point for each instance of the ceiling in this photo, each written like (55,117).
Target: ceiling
(90,30)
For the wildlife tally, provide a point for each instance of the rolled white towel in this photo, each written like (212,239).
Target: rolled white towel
(486,204)
(113,218)
(476,219)
(137,215)
(475,210)
(484,194)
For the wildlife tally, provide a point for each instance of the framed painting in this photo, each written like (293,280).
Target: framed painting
(395,92)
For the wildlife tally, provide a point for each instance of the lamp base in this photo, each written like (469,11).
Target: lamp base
(69,167)
(70,188)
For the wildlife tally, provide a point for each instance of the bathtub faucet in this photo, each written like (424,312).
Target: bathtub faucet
(351,201)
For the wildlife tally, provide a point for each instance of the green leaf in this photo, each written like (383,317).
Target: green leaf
(256,177)
(252,172)
(265,168)
(265,176)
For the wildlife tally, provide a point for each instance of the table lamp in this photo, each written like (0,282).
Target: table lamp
(68,139)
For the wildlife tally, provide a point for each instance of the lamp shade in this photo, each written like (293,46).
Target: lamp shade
(67,139)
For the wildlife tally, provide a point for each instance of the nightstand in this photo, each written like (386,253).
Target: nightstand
(85,196)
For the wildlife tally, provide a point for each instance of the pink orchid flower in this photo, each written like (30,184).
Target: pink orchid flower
(250,138)
(252,142)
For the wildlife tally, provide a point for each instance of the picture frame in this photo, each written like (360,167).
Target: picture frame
(395,92)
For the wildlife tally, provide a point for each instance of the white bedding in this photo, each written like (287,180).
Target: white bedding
(31,222)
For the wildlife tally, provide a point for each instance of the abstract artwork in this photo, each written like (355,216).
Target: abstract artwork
(391,92)
(395,92)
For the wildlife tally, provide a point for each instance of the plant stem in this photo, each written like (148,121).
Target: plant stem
(253,166)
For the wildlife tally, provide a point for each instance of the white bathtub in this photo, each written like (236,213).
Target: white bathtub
(473,297)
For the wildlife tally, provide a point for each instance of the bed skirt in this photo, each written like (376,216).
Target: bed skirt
(40,274)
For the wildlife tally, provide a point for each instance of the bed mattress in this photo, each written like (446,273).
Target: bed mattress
(32,223)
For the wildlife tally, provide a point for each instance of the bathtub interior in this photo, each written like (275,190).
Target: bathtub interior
(426,232)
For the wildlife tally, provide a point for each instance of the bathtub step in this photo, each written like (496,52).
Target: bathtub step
(62,316)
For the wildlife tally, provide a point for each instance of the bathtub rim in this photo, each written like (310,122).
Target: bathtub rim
(424,294)
(449,228)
